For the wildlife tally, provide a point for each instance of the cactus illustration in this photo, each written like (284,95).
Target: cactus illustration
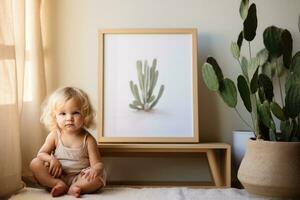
(147,78)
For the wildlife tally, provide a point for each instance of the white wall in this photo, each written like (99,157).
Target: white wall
(71,43)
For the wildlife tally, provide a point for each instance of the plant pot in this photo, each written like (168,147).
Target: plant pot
(239,141)
(271,168)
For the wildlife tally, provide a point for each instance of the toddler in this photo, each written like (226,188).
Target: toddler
(69,160)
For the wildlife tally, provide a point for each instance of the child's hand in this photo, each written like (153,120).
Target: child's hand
(55,168)
(90,174)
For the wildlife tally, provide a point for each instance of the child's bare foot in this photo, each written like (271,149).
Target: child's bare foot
(74,191)
(59,189)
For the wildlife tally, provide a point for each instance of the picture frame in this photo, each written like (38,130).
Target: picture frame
(148,86)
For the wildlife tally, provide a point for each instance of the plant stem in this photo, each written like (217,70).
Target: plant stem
(249,49)
(252,114)
(243,119)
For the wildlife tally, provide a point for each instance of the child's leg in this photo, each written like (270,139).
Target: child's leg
(81,186)
(41,173)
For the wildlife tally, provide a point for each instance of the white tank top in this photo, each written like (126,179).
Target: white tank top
(73,160)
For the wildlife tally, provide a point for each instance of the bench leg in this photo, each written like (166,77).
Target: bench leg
(214,167)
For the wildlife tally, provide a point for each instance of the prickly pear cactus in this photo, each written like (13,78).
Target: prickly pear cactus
(258,73)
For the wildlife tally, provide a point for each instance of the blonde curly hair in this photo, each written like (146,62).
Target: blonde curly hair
(59,98)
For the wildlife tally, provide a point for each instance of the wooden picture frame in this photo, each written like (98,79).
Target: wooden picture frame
(128,89)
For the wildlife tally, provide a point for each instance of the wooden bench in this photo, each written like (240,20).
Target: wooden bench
(218,157)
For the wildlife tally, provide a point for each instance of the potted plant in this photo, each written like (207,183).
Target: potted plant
(272,160)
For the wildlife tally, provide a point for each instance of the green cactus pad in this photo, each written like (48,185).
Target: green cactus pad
(244,92)
(244,66)
(254,82)
(291,79)
(266,84)
(210,77)
(286,127)
(272,40)
(228,92)
(253,65)
(244,9)
(235,50)
(240,39)
(264,113)
(287,47)
(216,67)
(292,100)
(250,24)
(295,65)
(277,111)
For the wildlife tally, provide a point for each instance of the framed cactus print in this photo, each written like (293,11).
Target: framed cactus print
(148,86)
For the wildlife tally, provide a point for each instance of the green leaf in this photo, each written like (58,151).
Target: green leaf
(264,113)
(266,84)
(292,100)
(235,51)
(277,111)
(287,47)
(244,9)
(210,77)
(261,95)
(291,79)
(228,92)
(240,40)
(254,82)
(272,40)
(244,92)
(286,128)
(244,66)
(250,24)
(216,67)
(295,65)
(252,67)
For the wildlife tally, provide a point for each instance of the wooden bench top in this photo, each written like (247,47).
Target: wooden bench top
(198,147)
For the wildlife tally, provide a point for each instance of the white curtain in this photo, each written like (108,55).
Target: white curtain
(22,88)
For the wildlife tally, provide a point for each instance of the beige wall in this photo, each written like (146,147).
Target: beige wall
(71,44)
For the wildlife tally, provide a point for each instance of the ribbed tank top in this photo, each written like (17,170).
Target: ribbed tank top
(73,160)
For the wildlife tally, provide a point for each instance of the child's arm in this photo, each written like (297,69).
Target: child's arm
(45,155)
(94,155)
(95,160)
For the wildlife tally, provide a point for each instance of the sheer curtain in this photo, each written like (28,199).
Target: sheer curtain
(22,88)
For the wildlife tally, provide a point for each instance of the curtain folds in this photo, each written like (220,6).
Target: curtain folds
(22,88)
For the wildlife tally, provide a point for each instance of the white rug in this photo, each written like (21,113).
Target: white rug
(126,193)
